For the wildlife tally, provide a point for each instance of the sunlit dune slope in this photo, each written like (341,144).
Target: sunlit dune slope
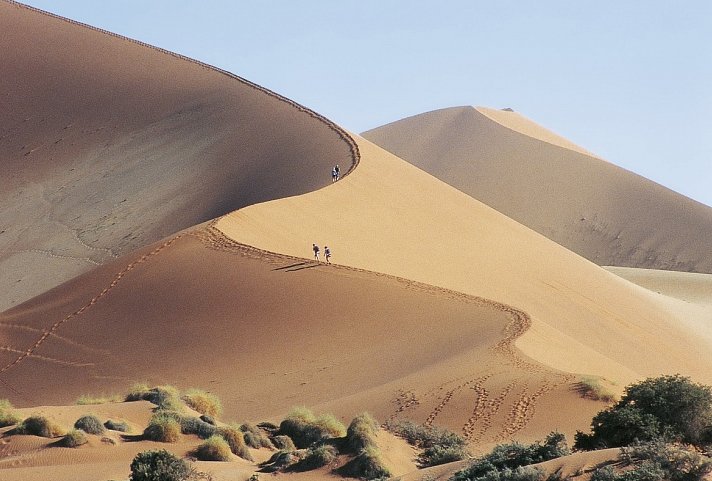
(391,217)
(267,332)
(107,145)
(594,208)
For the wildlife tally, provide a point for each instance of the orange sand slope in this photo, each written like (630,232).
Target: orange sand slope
(107,145)
(390,217)
(602,212)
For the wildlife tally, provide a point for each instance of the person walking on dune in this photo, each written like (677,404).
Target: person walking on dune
(334,174)
(338,171)
(315,248)
(327,254)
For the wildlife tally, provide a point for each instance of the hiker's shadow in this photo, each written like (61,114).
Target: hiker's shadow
(298,266)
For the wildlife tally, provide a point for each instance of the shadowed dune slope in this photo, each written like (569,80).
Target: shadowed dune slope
(391,217)
(267,332)
(107,145)
(607,214)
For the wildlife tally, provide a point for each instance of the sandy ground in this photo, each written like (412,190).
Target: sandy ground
(592,207)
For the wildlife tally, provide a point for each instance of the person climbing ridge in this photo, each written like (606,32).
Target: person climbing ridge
(315,248)
(338,172)
(327,254)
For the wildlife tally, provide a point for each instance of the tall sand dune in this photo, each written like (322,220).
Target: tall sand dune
(605,213)
(107,145)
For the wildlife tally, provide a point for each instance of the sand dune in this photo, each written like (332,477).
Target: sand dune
(107,145)
(602,212)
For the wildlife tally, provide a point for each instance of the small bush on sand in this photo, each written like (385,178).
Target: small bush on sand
(317,457)
(137,392)
(8,416)
(283,443)
(158,466)
(90,424)
(190,425)
(203,402)
(120,426)
(522,473)
(164,397)
(208,419)
(281,461)
(255,437)
(594,388)
(509,458)
(163,427)
(366,465)
(361,433)
(74,438)
(89,400)
(39,426)
(215,448)
(306,429)
(236,440)
(438,444)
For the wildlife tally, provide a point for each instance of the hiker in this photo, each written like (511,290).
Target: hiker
(334,174)
(338,172)
(327,254)
(315,248)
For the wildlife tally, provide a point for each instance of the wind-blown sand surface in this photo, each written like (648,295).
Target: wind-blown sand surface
(605,213)
(107,145)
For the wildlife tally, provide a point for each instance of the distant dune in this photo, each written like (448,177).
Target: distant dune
(107,145)
(602,212)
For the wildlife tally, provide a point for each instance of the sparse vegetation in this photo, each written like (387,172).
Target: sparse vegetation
(668,406)
(366,465)
(438,444)
(90,424)
(236,440)
(283,443)
(88,399)
(163,427)
(164,397)
(120,426)
(203,402)
(508,461)
(361,433)
(317,457)
(158,466)
(74,438)
(215,448)
(8,416)
(594,388)
(255,437)
(305,429)
(39,426)
(191,425)
(208,419)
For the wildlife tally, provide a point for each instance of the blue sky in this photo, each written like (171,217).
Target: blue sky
(629,80)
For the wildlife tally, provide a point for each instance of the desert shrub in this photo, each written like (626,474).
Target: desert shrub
(164,397)
(137,392)
(87,399)
(306,429)
(281,460)
(164,427)
(191,425)
(203,402)
(317,457)
(677,461)
(255,437)
(120,426)
(666,406)
(39,426)
(208,419)
(90,424)
(215,448)
(236,440)
(438,444)
(366,465)
(8,416)
(593,388)
(73,439)
(269,427)
(361,433)
(158,466)
(514,455)
(283,443)
(521,473)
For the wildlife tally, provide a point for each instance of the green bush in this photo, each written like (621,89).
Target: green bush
(8,416)
(317,457)
(164,397)
(361,433)
(593,388)
(667,406)
(438,444)
(203,402)
(39,426)
(158,466)
(208,419)
(281,460)
(236,440)
(120,426)
(515,455)
(191,425)
(215,448)
(521,473)
(164,427)
(366,465)
(283,443)
(90,424)
(73,439)
(306,429)
(255,437)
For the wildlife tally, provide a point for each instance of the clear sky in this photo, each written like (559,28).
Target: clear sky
(630,80)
